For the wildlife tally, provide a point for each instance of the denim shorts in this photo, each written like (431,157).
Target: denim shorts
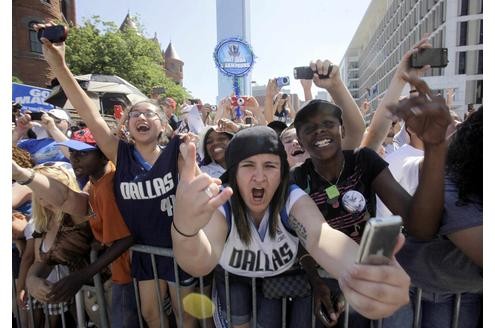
(124,309)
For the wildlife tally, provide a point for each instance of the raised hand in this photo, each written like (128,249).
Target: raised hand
(226,125)
(54,53)
(197,197)
(323,68)
(23,124)
(271,88)
(48,122)
(404,66)
(426,115)
(306,84)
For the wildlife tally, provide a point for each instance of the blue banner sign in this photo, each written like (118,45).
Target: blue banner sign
(30,97)
(234,57)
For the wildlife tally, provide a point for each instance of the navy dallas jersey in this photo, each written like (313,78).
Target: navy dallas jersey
(146,200)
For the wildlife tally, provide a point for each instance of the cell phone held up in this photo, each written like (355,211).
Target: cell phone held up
(306,73)
(435,57)
(54,34)
(379,239)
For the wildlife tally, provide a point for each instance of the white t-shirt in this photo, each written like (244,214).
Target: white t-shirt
(264,257)
(404,166)
(213,170)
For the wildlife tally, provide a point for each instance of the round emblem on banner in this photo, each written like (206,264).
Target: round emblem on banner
(353,201)
(234,57)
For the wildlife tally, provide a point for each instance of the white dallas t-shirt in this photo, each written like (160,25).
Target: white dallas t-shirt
(264,257)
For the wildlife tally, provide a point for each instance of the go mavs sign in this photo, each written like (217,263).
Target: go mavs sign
(234,57)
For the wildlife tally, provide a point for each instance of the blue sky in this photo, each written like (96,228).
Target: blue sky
(284,34)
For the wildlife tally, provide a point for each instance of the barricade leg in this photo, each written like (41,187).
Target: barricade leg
(284,312)
(417,308)
(81,322)
(253,298)
(158,293)
(17,312)
(177,294)
(457,309)
(138,302)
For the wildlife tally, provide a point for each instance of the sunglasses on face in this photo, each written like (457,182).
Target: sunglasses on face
(147,114)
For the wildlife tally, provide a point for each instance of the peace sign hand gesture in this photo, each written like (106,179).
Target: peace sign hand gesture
(197,197)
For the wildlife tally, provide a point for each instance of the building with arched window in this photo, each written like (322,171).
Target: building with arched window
(27,60)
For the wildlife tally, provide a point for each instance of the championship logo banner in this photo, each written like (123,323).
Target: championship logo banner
(235,58)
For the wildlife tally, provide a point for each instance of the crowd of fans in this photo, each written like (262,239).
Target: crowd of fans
(259,191)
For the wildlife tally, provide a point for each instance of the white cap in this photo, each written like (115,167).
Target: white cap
(60,114)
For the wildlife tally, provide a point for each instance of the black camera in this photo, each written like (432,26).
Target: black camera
(306,73)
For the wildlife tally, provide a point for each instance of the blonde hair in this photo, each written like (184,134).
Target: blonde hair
(42,215)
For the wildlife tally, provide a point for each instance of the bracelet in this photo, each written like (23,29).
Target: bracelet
(181,233)
(302,257)
(29,180)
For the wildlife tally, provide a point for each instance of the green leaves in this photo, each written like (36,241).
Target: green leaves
(100,47)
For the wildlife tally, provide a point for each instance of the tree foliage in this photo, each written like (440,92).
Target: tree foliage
(15,79)
(100,47)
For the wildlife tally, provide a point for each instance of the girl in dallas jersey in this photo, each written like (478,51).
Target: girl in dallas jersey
(248,238)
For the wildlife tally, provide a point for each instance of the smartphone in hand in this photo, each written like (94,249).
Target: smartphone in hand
(54,34)
(379,239)
(435,57)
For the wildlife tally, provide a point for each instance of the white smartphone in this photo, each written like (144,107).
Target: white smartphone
(379,239)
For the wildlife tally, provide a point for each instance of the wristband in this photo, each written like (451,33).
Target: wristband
(181,233)
(302,257)
(29,179)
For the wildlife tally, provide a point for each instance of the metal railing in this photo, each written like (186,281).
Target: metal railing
(156,251)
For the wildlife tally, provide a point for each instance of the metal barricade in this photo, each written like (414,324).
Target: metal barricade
(156,251)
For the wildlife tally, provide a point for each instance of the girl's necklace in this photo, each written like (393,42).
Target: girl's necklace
(333,191)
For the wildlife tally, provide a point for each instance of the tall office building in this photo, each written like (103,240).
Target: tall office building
(390,28)
(233,20)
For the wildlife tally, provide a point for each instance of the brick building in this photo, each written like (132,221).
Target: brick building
(172,65)
(27,60)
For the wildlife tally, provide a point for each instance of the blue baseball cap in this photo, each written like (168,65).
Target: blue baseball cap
(76,145)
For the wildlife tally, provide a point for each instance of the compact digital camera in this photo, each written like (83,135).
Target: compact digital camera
(241,101)
(282,81)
